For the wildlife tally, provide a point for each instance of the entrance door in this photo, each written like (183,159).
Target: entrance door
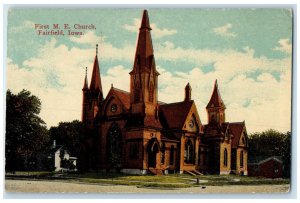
(152,159)
(153,149)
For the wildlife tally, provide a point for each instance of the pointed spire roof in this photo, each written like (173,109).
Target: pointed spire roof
(215,100)
(144,57)
(85,85)
(96,80)
(188,86)
(145,21)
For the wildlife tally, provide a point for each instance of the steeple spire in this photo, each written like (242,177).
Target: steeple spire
(215,107)
(96,80)
(215,100)
(85,85)
(144,76)
(144,58)
(95,85)
(145,21)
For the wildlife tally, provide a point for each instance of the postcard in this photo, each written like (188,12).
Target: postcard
(148,100)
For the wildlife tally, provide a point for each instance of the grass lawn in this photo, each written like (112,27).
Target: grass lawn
(164,181)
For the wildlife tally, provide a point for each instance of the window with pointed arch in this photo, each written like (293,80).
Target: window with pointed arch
(151,92)
(225,157)
(137,93)
(188,152)
(242,159)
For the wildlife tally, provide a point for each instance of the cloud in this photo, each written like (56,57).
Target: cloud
(56,76)
(88,38)
(156,32)
(285,46)
(106,50)
(25,25)
(269,100)
(224,31)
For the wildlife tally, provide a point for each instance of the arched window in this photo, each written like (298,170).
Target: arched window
(188,152)
(225,157)
(172,155)
(137,93)
(242,159)
(114,148)
(151,92)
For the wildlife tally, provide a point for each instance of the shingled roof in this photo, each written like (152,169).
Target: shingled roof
(174,115)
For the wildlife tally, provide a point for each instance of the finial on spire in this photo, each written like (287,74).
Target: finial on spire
(85,71)
(97,49)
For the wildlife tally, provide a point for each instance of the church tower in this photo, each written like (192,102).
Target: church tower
(215,107)
(93,95)
(143,77)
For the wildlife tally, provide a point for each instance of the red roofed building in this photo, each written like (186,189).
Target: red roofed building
(133,132)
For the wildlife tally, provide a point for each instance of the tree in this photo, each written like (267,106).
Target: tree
(271,143)
(26,133)
(69,135)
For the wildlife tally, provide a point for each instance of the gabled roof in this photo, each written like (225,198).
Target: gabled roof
(236,130)
(174,115)
(122,95)
(262,159)
(215,100)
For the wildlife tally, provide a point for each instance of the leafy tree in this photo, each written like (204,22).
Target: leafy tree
(271,143)
(69,135)
(26,133)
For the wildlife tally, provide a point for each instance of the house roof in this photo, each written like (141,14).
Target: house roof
(174,115)
(262,159)
(236,130)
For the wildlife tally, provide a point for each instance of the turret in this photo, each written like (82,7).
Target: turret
(215,107)
(188,93)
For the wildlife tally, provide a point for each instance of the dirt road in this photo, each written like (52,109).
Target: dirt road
(20,186)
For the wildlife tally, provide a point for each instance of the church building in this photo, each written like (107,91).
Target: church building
(133,132)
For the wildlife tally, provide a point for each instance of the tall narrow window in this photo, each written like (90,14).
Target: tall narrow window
(225,157)
(137,93)
(172,155)
(188,152)
(151,90)
(163,154)
(242,159)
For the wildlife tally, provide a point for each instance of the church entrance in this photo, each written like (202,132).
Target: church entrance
(114,147)
(153,149)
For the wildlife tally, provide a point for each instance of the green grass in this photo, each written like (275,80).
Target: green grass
(164,181)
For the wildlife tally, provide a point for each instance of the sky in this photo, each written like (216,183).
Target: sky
(247,50)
